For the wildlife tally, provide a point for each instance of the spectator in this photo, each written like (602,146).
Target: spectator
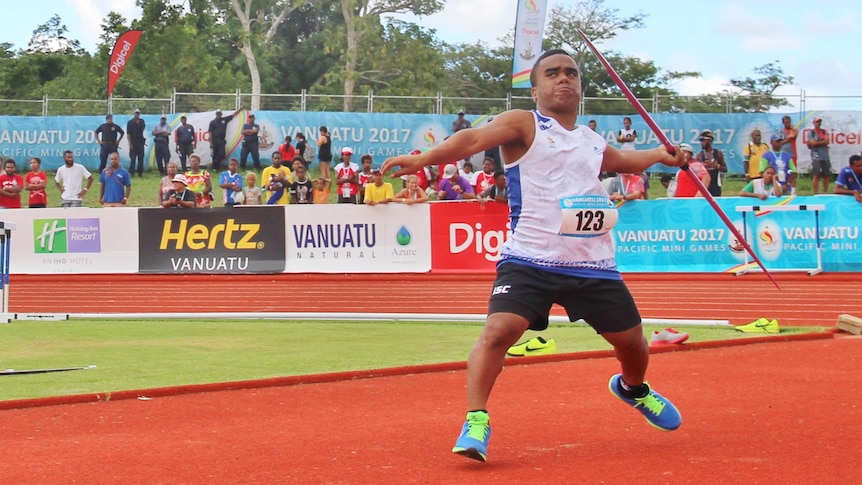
(365,176)
(276,181)
(324,152)
(468,173)
(685,187)
(36,182)
(286,149)
(669,183)
(302,189)
(593,126)
(184,137)
(499,192)
(378,192)
(626,137)
(11,185)
(166,184)
(135,134)
(346,178)
(70,181)
(752,153)
(322,189)
(485,178)
(218,137)
(461,123)
(788,144)
(298,162)
(454,186)
(848,182)
(116,183)
(423,175)
(252,192)
(161,137)
(628,186)
(108,136)
(304,150)
(231,181)
(250,143)
(411,194)
(821,169)
(713,160)
(179,197)
(784,165)
(199,182)
(764,187)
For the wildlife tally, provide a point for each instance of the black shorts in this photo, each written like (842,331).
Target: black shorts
(606,305)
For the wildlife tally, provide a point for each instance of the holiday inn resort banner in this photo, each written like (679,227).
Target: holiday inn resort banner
(384,135)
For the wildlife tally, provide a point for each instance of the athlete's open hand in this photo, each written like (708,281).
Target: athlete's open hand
(408,164)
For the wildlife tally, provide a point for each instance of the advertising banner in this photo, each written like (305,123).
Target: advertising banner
(345,238)
(529,31)
(79,240)
(468,236)
(219,240)
(384,135)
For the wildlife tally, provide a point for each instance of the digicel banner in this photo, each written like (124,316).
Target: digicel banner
(467,236)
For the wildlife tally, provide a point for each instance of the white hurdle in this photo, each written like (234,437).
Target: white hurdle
(745,209)
(6,229)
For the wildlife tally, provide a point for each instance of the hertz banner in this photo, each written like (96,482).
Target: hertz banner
(224,240)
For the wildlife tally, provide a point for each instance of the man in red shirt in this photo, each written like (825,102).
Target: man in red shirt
(685,187)
(35,182)
(11,185)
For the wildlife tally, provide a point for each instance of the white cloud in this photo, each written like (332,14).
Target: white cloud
(90,14)
(698,86)
(485,20)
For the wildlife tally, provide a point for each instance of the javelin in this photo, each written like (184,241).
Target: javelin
(670,148)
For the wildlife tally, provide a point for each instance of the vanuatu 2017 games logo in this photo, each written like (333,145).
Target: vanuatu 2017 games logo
(57,236)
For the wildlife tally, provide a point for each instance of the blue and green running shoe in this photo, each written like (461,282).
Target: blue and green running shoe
(473,442)
(657,410)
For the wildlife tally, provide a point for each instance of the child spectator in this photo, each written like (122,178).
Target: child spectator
(35,182)
(301,190)
(378,192)
(322,188)
(485,178)
(364,176)
(252,193)
(413,193)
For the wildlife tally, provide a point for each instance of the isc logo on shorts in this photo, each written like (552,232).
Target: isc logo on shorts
(501,289)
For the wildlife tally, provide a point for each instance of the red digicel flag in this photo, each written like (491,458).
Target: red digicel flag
(120,56)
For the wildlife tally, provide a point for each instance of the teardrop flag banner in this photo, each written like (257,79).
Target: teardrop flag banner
(120,56)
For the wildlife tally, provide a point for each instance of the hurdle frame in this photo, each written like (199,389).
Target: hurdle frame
(745,209)
(6,229)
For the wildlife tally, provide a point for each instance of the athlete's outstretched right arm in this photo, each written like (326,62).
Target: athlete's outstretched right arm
(512,129)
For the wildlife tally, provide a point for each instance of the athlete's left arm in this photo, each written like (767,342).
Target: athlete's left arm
(636,161)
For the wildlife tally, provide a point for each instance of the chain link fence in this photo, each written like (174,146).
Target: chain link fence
(181,102)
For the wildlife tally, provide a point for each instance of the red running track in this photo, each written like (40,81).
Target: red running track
(802,301)
(768,413)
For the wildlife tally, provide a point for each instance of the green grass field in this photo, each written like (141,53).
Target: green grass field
(140,354)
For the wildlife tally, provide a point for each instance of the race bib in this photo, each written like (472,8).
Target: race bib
(587,216)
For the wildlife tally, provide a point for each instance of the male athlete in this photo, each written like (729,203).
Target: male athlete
(560,250)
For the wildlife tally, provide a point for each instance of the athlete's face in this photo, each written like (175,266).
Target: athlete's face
(558,84)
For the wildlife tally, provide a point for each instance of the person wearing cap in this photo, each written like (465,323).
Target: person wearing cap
(849,181)
(108,136)
(821,169)
(218,137)
(713,160)
(782,162)
(250,143)
(179,197)
(378,192)
(347,178)
(161,137)
(752,153)
(461,123)
(135,135)
(685,187)
(184,137)
(453,186)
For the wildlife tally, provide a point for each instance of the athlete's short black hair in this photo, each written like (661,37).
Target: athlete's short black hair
(546,54)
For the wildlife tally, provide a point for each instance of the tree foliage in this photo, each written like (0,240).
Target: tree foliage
(344,49)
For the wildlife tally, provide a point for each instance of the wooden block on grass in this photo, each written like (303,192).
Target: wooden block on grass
(849,323)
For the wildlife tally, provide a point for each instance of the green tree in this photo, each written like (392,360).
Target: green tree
(758,92)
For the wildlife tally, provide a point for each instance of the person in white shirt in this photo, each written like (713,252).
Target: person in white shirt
(70,181)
